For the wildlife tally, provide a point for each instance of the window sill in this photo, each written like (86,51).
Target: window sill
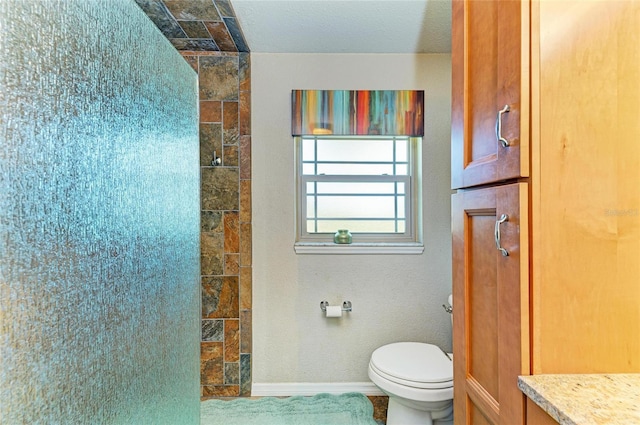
(410,248)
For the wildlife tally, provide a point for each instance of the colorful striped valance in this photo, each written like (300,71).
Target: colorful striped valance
(357,112)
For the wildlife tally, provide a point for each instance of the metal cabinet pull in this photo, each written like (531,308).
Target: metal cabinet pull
(502,140)
(502,219)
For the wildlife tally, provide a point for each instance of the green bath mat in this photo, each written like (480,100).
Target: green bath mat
(321,409)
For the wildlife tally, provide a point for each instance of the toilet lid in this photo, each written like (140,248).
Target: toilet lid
(413,361)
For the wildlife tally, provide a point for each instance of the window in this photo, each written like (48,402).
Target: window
(367,184)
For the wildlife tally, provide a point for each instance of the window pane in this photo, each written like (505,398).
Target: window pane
(402,150)
(308,151)
(311,206)
(311,188)
(354,188)
(370,198)
(355,226)
(311,227)
(401,208)
(308,169)
(355,150)
(351,169)
(356,207)
(402,170)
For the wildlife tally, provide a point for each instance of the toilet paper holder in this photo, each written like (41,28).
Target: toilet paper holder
(346,305)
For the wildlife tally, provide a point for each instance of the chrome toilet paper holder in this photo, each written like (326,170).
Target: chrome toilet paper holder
(346,305)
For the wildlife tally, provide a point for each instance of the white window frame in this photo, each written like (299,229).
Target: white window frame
(410,242)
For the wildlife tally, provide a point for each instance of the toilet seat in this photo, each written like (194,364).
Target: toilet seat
(413,364)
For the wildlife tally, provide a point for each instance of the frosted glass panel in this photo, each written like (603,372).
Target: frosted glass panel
(352,188)
(358,226)
(353,150)
(356,206)
(351,169)
(99,218)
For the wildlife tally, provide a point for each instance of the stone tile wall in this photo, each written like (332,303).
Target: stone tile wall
(225,128)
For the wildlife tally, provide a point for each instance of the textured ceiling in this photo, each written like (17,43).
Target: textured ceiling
(346,26)
(304,26)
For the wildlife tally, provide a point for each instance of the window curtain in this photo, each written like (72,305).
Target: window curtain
(357,112)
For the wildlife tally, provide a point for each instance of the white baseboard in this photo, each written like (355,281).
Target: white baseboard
(286,389)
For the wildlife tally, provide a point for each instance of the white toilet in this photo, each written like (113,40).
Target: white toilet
(418,378)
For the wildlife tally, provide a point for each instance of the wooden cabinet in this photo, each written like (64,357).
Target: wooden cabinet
(537,416)
(572,75)
(585,183)
(487,78)
(491,303)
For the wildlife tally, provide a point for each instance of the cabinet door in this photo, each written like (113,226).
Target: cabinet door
(490,302)
(486,62)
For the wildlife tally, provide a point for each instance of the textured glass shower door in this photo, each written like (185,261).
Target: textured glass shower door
(99,218)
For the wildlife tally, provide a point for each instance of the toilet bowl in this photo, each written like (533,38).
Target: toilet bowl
(418,378)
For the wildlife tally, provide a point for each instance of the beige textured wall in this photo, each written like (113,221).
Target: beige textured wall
(395,297)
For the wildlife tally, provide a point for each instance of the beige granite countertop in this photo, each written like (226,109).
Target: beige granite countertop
(598,399)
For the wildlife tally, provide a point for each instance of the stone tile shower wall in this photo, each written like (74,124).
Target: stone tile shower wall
(99,221)
(225,128)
